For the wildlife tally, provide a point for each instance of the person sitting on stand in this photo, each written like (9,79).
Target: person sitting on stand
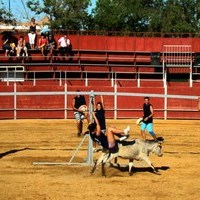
(21,47)
(42,44)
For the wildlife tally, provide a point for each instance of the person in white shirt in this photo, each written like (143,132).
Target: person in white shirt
(64,45)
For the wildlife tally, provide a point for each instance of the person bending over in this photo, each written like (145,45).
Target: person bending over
(107,140)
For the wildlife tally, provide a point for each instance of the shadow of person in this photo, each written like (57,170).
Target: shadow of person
(12,152)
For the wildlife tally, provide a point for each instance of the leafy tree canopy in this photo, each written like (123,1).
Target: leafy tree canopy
(64,14)
(5,16)
(117,15)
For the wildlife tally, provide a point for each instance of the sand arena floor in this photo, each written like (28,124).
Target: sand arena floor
(23,142)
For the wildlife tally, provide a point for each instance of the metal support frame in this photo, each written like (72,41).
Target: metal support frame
(89,159)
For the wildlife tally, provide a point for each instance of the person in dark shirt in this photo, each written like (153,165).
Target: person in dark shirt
(107,140)
(77,102)
(99,110)
(51,44)
(147,123)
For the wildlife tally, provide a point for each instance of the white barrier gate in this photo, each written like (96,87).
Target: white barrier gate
(178,56)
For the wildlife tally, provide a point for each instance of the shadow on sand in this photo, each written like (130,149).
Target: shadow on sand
(12,152)
(141,169)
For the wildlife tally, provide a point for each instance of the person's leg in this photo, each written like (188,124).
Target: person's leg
(6,53)
(86,115)
(110,136)
(123,134)
(51,50)
(142,128)
(31,40)
(79,123)
(18,51)
(79,127)
(26,51)
(42,50)
(61,50)
(65,51)
(150,130)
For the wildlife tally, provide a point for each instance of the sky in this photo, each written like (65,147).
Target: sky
(22,13)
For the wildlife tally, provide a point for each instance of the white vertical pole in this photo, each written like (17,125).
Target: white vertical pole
(86,79)
(15,101)
(191,74)
(7,75)
(34,79)
(165,103)
(65,101)
(90,143)
(164,71)
(60,82)
(115,102)
(138,79)
(90,152)
(112,79)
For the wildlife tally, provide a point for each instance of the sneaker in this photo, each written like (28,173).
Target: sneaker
(123,137)
(126,130)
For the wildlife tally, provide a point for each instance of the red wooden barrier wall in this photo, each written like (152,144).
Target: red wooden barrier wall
(125,43)
(134,104)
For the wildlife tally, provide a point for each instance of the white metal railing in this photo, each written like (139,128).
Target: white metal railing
(63,76)
(115,108)
(178,56)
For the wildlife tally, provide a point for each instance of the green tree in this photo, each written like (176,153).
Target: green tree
(122,15)
(64,14)
(148,15)
(117,15)
(180,16)
(5,16)
(173,15)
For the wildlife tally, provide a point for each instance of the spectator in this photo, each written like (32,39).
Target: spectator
(51,44)
(147,123)
(13,47)
(42,44)
(64,45)
(21,47)
(6,46)
(9,46)
(32,33)
(77,102)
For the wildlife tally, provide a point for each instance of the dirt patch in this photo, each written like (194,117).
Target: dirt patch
(24,142)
